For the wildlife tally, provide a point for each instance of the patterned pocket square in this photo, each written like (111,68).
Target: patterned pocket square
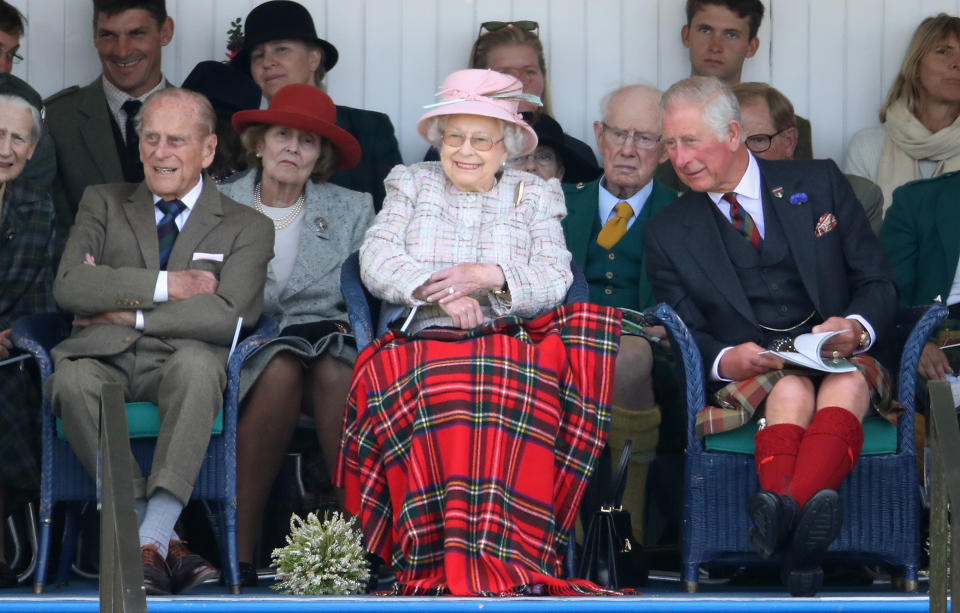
(826,223)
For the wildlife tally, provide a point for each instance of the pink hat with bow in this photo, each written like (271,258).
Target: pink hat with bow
(482,92)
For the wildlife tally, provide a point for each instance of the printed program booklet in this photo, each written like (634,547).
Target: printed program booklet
(806,353)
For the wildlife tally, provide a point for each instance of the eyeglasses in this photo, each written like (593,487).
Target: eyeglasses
(540,158)
(525,25)
(758,143)
(641,140)
(12,55)
(480,142)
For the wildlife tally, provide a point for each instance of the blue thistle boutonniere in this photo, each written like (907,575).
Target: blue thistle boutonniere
(798,198)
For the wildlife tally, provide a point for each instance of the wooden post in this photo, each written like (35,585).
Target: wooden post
(121,571)
(945,486)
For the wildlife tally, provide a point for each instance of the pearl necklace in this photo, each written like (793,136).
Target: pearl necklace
(286,220)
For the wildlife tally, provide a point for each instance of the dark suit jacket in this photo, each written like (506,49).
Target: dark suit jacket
(921,235)
(116,225)
(582,210)
(844,271)
(381,153)
(79,122)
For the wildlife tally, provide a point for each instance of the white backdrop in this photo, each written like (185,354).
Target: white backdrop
(835,59)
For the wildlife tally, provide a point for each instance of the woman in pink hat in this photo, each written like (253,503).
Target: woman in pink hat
(471,429)
(293,147)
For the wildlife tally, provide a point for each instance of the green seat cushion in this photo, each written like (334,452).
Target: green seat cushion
(879,437)
(143,421)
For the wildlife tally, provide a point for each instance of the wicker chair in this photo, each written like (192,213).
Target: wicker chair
(63,478)
(880,497)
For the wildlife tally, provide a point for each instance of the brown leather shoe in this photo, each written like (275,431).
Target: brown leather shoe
(156,575)
(187,569)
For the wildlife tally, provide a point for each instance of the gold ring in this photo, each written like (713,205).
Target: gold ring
(450,290)
(836,355)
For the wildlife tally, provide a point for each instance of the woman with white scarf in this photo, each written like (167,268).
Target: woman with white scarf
(919,135)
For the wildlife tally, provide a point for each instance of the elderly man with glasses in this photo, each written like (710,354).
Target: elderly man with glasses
(604,232)
(770,126)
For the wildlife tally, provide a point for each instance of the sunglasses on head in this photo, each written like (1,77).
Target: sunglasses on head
(525,25)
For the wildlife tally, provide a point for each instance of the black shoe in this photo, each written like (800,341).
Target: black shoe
(773,516)
(818,525)
(248,575)
(156,575)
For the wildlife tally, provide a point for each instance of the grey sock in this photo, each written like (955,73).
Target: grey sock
(163,509)
(141,509)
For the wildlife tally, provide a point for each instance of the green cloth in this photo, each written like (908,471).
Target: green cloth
(879,437)
(143,421)
(580,228)
(921,235)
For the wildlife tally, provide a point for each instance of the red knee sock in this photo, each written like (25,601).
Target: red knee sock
(828,452)
(775,451)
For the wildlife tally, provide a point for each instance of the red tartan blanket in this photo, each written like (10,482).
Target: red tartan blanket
(465,453)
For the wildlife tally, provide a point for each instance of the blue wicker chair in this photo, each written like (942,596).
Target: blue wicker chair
(63,478)
(880,498)
(363,310)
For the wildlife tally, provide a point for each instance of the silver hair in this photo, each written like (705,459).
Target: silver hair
(606,103)
(205,114)
(514,137)
(21,103)
(718,104)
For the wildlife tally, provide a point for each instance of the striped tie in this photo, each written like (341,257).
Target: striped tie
(167,228)
(742,221)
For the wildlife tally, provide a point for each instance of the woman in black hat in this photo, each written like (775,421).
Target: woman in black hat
(229,91)
(280,47)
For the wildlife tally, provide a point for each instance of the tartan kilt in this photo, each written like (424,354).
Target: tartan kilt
(465,453)
(738,400)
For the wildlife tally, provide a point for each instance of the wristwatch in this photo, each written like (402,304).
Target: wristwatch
(864,340)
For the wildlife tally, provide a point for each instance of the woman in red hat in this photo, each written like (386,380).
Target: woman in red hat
(293,147)
(280,47)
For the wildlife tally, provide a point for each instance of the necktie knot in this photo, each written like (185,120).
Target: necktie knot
(131,107)
(171,207)
(623,210)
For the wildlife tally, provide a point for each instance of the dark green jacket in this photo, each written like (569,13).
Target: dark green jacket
(921,235)
(378,143)
(582,211)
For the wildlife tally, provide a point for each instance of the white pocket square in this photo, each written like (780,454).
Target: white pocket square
(199,255)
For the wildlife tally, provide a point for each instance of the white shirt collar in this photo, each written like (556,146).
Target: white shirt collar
(190,198)
(749,184)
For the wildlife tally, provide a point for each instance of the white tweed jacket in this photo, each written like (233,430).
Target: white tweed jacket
(427,224)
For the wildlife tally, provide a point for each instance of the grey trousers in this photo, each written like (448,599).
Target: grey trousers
(187,386)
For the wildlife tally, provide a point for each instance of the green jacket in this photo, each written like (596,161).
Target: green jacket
(921,235)
(582,210)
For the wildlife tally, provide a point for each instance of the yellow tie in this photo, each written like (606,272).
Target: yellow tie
(614,229)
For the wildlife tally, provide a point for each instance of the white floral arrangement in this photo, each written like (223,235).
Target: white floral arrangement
(321,557)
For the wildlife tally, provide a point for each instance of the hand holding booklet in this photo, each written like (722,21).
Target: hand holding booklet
(807,350)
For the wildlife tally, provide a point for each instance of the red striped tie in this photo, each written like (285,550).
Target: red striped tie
(742,221)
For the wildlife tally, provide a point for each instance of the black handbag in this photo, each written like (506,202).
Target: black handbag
(611,557)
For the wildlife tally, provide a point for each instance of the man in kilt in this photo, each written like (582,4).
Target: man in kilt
(754,254)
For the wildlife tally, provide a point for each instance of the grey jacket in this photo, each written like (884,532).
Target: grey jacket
(336,219)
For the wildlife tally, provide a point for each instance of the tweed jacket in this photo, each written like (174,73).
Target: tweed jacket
(335,221)
(378,143)
(427,225)
(26,252)
(116,225)
(921,235)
